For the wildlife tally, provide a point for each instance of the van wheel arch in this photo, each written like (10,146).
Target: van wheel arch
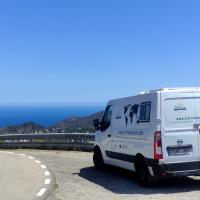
(97,148)
(139,159)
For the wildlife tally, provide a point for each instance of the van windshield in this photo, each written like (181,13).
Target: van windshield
(179,113)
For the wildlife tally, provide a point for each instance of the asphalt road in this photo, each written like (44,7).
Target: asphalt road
(77,179)
(22,177)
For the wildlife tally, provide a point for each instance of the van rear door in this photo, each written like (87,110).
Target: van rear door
(180,139)
(197,120)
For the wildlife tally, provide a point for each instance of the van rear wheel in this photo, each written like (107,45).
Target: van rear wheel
(143,175)
(98,159)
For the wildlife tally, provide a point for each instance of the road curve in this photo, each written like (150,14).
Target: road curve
(22,177)
(77,179)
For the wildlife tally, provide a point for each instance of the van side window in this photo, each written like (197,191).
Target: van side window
(145,111)
(106,120)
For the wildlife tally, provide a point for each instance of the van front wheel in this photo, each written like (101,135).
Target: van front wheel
(98,159)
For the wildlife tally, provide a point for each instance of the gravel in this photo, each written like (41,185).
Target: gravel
(77,179)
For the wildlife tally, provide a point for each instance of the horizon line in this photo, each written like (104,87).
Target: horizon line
(52,103)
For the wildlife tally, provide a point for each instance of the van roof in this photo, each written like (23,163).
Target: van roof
(177,89)
(181,89)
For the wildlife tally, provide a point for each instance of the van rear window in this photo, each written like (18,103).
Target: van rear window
(145,110)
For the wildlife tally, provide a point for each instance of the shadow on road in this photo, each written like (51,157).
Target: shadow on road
(121,181)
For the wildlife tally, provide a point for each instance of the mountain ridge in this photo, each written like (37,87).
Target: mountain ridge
(68,125)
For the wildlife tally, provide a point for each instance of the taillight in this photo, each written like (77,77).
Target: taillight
(158,146)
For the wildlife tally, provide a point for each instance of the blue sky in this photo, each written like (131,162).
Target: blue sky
(93,51)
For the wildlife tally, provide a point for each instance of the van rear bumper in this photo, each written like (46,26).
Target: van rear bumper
(161,170)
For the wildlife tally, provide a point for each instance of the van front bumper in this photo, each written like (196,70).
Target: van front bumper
(161,170)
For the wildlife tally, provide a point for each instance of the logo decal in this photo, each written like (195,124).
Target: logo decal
(179,107)
(118,116)
(130,111)
(179,142)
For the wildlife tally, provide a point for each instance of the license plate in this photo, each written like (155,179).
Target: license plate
(179,150)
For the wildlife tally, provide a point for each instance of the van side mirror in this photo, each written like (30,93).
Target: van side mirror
(96,124)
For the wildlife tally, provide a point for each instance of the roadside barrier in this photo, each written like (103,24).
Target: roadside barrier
(65,141)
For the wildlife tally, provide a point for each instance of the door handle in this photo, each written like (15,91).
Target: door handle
(109,135)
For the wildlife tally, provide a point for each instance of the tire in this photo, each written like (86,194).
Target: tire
(98,159)
(143,175)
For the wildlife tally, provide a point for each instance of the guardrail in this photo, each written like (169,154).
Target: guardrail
(75,141)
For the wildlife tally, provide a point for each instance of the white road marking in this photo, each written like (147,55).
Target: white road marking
(41,192)
(2,151)
(43,166)
(21,154)
(9,152)
(47,181)
(46,173)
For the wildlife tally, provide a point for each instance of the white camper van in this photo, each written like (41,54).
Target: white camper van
(156,134)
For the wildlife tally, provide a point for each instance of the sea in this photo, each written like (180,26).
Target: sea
(44,114)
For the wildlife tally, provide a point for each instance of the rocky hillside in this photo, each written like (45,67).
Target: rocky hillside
(76,124)
(28,127)
(69,125)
